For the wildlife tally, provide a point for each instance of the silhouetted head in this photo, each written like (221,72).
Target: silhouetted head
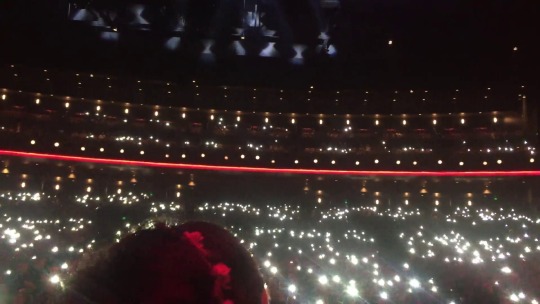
(196,262)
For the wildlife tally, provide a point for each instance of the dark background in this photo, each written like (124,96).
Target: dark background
(436,44)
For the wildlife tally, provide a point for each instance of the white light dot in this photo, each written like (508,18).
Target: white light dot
(32,142)
(292,288)
(376,161)
(315,161)
(56,144)
(55,279)
(439,162)
(323,280)
(352,291)
(499,161)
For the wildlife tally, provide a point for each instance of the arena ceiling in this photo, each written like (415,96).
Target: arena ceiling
(336,42)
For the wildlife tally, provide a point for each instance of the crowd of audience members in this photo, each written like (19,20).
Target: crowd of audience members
(349,254)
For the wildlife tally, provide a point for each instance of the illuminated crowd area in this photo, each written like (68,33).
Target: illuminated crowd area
(502,138)
(394,240)
(362,151)
(401,206)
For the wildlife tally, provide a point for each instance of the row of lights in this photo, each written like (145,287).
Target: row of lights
(257,157)
(238,118)
(363,190)
(404,121)
(88,188)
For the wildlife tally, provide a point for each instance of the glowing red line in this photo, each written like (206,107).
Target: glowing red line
(136,163)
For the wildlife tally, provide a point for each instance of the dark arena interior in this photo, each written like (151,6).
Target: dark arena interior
(362,151)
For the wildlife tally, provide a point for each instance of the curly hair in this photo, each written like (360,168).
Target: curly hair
(162,265)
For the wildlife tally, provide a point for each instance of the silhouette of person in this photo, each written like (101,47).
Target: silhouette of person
(196,262)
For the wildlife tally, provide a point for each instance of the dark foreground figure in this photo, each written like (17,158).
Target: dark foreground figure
(196,262)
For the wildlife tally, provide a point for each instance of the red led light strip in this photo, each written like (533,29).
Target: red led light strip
(136,163)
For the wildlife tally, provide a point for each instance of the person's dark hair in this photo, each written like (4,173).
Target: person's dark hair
(180,264)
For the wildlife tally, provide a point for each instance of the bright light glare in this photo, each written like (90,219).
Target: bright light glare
(352,291)
(414,283)
(55,279)
(292,288)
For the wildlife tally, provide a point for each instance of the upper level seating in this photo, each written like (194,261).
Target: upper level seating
(65,125)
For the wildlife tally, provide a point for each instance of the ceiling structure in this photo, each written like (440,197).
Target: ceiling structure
(339,43)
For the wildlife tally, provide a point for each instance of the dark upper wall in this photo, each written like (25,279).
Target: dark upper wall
(435,44)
